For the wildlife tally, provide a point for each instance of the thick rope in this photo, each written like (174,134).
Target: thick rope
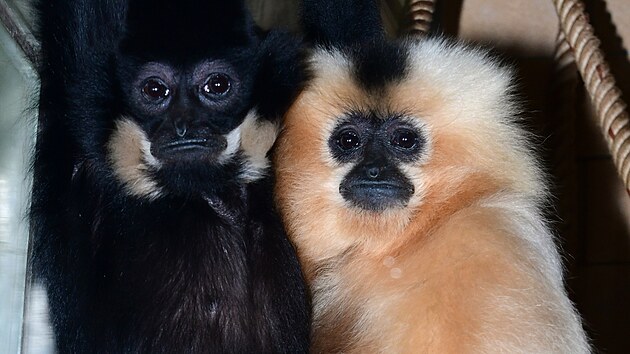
(600,84)
(421,16)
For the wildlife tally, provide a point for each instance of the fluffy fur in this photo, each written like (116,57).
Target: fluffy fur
(152,217)
(468,264)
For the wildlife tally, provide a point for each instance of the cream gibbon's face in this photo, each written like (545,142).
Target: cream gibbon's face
(394,133)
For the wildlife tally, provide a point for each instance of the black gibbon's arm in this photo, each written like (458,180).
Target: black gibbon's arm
(152,216)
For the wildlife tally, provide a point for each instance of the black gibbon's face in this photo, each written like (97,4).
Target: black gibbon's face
(373,147)
(188,114)
(182,125)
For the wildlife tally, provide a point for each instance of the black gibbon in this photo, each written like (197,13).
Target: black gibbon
(414,199)
(152,216)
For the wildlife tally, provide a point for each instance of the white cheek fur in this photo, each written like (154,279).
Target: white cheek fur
(233,143)
(129,153)
(257,138)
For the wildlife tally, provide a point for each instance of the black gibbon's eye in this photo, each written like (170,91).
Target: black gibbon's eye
(348,140)
(155,90)
(404,139)
(217,84)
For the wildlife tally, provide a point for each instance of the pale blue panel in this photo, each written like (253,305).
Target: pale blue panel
(17,130)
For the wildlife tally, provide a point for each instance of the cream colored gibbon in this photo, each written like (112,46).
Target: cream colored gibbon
(414,199)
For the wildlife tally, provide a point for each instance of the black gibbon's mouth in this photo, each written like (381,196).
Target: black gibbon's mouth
(376,196)
(189,149)
(186,144)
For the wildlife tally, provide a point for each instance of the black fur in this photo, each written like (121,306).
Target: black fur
(355,27)
(379,63)
(207,266)
(341,22)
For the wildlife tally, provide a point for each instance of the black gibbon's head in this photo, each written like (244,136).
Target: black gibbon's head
(390,132)
(188,73)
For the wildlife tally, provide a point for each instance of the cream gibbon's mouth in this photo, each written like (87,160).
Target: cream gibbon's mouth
(376,195)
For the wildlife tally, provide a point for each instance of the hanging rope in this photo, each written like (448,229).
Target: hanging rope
(421,16)
(600,84)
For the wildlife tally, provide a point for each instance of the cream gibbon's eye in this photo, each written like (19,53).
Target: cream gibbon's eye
(404,138)
(155,90)
(218,84)
(348,140)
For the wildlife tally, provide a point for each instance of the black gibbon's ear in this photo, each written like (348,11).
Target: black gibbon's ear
(341,23)
(281,73)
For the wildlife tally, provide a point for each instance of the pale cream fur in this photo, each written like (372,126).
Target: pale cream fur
(129,152)
(469,266)
(257,138)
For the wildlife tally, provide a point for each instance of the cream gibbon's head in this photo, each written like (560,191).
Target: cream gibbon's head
(390,136)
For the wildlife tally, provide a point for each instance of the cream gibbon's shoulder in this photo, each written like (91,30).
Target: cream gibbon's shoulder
(414,198)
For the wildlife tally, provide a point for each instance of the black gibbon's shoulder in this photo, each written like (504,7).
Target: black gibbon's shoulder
(152,217)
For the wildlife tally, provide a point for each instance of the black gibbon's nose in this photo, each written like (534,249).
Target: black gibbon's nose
(373,172)
(180,127)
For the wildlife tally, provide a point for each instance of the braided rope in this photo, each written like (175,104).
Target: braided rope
(600,84)
(421,16)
